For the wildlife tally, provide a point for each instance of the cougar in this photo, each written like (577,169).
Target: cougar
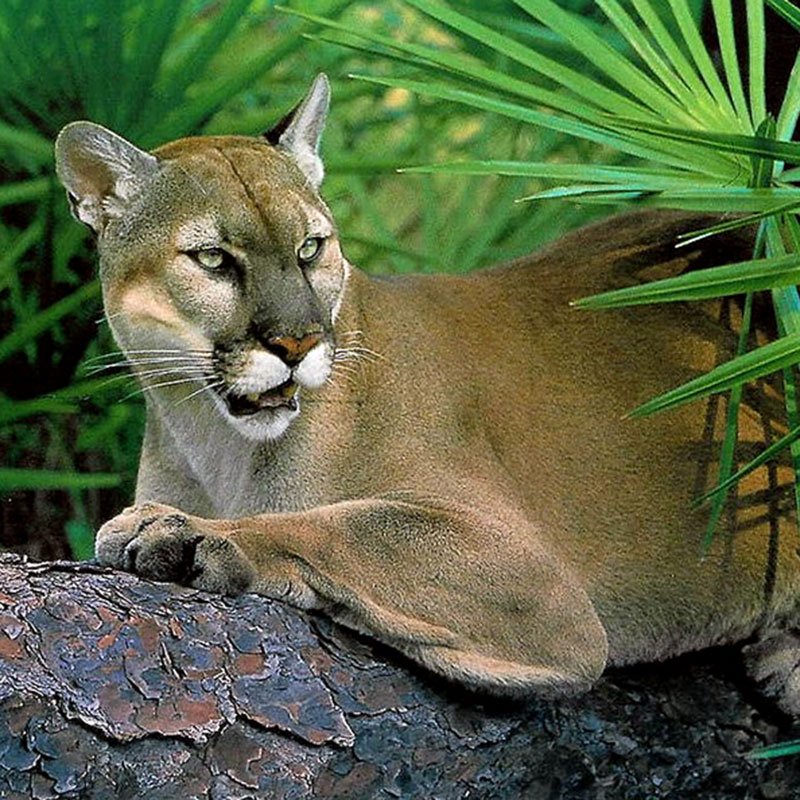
(441,462)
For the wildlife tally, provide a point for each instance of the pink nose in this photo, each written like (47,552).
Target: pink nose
(291,349)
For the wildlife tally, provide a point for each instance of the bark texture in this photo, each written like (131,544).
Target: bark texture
(111,687)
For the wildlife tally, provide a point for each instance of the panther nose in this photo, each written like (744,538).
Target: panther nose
(291,349)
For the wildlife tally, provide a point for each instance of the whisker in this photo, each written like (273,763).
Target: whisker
(348,373)
(352,363)
(177,364)
(169,360)
(108,317)
(365,351)
(190,373)
(154,352)
(351,341)
(355,333)
(152,386)
(134,357)
(346,351)
(195,374)
(230,390)
(346,363)
(205,386)
(346,356)
(155,369)
(350,337)
(123,376)
(104,367)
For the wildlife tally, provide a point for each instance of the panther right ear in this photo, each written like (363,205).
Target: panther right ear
(101,172)
(300,131)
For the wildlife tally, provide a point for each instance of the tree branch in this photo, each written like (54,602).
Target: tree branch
(111,687)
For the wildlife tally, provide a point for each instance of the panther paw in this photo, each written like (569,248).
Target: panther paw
(161,543)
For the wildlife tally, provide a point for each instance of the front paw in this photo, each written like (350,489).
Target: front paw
(162,543)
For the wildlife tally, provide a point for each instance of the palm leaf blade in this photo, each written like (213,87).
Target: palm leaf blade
(773,357)
(739,278)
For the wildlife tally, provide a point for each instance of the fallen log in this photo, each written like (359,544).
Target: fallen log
(113,687)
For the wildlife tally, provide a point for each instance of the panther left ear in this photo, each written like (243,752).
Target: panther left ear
(300,131)
(102,172)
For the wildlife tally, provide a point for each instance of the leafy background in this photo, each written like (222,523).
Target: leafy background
(528,101)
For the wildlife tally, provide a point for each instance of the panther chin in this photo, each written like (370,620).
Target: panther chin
(260,416)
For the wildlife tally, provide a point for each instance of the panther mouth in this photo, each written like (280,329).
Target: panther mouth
(245,405)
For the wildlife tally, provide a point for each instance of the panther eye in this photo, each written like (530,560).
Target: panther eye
(310,249)
(211,259)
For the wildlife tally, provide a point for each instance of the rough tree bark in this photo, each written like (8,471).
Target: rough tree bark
(111,687)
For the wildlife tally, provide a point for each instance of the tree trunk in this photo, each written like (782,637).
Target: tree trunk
(112,687)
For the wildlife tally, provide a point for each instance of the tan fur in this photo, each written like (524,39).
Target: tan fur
(464,486)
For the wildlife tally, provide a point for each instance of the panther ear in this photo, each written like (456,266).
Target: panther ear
(101,172)
(300,131)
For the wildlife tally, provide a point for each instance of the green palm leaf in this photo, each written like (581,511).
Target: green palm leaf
(783,353)
(740,278)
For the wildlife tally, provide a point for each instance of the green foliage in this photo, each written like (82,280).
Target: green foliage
(740,278)
(790,748)
(49,479)
(80,536)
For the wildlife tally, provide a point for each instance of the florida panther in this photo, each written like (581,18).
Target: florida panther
(438,461)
